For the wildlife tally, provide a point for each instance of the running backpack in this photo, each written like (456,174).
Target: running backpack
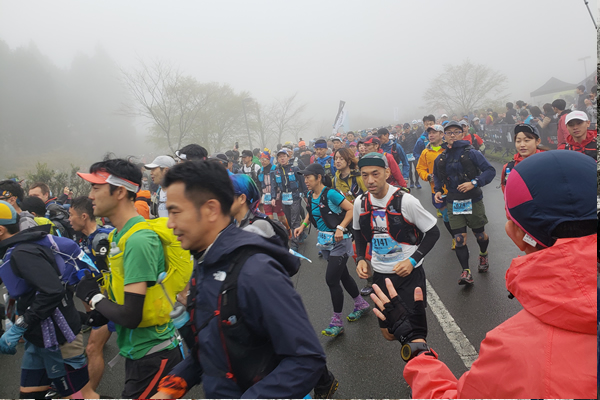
(281,234)
(60,218)
(70,260)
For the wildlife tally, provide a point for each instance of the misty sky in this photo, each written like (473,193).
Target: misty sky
(375,55)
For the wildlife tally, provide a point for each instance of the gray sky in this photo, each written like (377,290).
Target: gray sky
(375,55)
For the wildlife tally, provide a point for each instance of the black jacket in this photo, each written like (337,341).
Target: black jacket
(35,264)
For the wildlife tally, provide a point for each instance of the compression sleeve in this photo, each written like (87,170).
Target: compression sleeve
(128,315)
(431,236)
(361,243)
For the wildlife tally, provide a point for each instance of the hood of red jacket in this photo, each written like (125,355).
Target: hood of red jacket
(558,285)
(518,157)
(591,135)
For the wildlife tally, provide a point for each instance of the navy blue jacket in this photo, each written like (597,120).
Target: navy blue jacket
(271,307)
(420,145)
(287,179)
(455,170)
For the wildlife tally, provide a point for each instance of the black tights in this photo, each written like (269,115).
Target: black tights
(338,271)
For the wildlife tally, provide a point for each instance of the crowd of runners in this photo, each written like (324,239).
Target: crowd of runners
(188,260)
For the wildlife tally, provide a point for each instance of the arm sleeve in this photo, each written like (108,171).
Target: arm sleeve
(437,183)
(32,263)
(128,315)
(189,370)
(269,301)
(487,171)
(395,169)
(422,167)
(359,240)
(431,237)
(274,186)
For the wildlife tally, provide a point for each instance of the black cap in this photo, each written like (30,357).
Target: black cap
(313,169)
(452,123)
(220,157)
(527,128)
(247,153)
(382,131)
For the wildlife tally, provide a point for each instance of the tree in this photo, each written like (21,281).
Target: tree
(285,116)
(465,87)
(172,101)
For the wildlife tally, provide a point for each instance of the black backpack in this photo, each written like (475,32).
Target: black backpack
(60,218)
(281,234)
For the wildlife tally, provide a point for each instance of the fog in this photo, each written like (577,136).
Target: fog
(376,55)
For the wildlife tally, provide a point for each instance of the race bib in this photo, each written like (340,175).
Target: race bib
(325,240)
(385,248)
(266,198)
(462,207)
(410,157)
(286,198)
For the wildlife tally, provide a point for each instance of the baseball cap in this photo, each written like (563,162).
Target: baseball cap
(8,215)
(104,177)
(161,162)
(247,153)
(526,128)
(352,143)
(371,139)
(220,157)
(438,128)
(452,123)
(415,122)
(283,150)
(444,116)
(463,122)
(382,131)
(576,115)
(406,125)
(373,159)
(313,169)
(549,175)
(301,143)
(333,138)
(476,119)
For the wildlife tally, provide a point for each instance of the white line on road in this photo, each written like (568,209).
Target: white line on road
(459,341)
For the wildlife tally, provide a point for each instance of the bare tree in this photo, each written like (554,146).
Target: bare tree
(171,101)
(465,87)
(285,116)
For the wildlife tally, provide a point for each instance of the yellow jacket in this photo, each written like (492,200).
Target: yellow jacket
(425,164)
(351,187)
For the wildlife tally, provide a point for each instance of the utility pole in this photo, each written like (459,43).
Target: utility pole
(247,99)
(584,68)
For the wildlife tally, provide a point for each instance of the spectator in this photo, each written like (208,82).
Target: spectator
(592,112)
(547,116)
(581,96)
(559,107)
(489,120)
(511,114)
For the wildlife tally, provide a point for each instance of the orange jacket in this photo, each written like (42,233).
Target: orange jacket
(425,164)
(548,350)
(141,205)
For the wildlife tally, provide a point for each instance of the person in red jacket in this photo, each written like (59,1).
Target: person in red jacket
(559,106)
(580,138)
(547,350)
(373,145)
(527,139)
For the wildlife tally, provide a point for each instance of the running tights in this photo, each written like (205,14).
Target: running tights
(337,272)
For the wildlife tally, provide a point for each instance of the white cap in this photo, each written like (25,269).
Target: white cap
(576,115)
(162,162)
(444,115)
(414,122)
(463,122)
(438,128)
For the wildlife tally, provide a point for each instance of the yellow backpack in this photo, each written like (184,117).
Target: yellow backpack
(178,266)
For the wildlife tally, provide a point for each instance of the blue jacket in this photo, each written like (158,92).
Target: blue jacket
(327,160)
(402,160)
(289,181)
(422,142)
(455,170)
(271,307)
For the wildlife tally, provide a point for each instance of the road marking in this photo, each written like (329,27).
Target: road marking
(459,341)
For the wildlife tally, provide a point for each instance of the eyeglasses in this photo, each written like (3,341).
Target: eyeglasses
(453,133)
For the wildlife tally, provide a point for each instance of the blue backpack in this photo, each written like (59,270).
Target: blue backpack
(70,260)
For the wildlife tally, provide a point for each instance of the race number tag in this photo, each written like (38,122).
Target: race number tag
(286,198)
(325,240)
(266,198)
(462,207)
(386,249)
(410,157)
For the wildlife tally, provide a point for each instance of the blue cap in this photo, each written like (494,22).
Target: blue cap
(8,215)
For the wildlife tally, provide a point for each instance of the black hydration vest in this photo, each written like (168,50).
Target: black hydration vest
(330,219)
(509,167)
(398,228)
(470,172)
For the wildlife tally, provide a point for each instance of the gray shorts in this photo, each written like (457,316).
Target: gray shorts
(340,248)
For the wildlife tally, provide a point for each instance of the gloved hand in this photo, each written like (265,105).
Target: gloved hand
(8,341)
(87,287)
(406,325)
(96,319)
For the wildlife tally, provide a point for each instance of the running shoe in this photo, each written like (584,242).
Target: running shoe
(356,314)
(367,290)
(320,254)
(418,185)
(333,331)
(439,214)
(412,185)
(484,263)
(466,278)
(328,390)
(453,245)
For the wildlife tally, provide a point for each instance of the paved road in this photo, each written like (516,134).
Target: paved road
(366,365)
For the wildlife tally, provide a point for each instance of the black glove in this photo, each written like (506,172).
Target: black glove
(430,178)
(96,319)
(87,287)
(405,325)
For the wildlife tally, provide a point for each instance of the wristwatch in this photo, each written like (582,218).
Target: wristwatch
(413,349)
(474,182)
(341,228)
(95,299)
(20,322)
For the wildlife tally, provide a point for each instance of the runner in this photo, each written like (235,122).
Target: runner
(527,140)
(464,171)
(400,231)
(321,156)
(264,177)
(326,213)
(146,338)
(580,138)
(395,177)
(158,168)
(425,169)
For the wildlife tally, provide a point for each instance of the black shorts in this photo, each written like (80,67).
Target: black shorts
(143,376)
(405,286)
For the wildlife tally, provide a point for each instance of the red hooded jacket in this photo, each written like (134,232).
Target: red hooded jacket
(516,159)
(588,146)
(396,178)
(548,350)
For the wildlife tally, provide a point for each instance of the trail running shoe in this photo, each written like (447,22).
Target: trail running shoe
(367,290)
(333,331)
(439,214)
(466,278)
(418,185)
(453,245)
(484,263)
(412,185)
(356,314)
(328,390)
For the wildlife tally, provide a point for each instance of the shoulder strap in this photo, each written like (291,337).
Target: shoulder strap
(135,228)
